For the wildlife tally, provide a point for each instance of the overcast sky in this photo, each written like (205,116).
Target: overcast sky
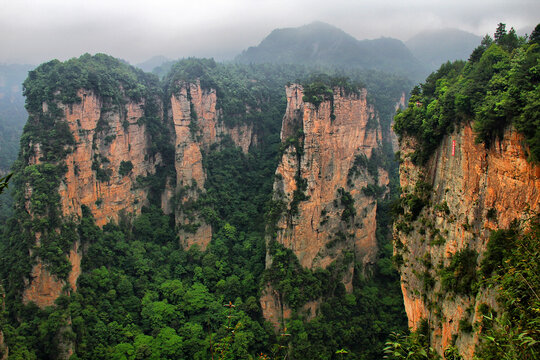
(34,31)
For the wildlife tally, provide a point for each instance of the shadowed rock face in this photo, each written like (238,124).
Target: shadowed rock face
(106,137)
(472,182)
(331,135)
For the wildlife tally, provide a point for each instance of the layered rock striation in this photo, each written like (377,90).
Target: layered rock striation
(328,184)
(111,164)
(452,204)
(197,126)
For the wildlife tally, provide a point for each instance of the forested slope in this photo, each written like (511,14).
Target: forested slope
(108,273)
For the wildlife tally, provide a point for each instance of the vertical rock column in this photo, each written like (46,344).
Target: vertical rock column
(197,126)
(336,216)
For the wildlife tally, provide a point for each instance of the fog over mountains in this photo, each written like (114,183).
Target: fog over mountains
(319,43)
(322,44)
(438,46)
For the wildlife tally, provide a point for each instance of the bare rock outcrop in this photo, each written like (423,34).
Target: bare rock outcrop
(322,179)
(112,155)
(474,191)
(197,126)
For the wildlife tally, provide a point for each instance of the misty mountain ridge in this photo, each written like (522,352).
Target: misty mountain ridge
(435,47)
(319,43)
(152,63)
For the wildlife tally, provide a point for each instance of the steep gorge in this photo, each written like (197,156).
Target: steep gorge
(121,173)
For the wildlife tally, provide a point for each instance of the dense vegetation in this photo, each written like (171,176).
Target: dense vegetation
(106,76)
(496,87)
(320,87)
(512,264)
(140,294)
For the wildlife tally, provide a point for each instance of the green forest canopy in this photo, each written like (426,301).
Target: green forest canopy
(499,85)
(142,296)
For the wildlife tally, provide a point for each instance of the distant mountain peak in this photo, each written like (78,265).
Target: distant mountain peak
(319,43)
(437,46)
(315,25)
(152,63)
(441,31)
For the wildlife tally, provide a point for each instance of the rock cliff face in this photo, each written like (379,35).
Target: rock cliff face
(104,139)
(113,152)
(197,126)
(43,288)
(323,179)
(474,191)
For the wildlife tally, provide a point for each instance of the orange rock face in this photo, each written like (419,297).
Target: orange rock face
(107,136)
(472,182)
(330,147)
(276,311)
(197,125)
(45,288)
(333,135)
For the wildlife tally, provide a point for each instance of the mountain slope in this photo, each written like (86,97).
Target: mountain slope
(434,47)
(322,44)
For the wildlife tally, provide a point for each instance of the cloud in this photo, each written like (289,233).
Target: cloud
(36,31)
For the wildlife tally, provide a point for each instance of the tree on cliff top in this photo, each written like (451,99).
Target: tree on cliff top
(498,86)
